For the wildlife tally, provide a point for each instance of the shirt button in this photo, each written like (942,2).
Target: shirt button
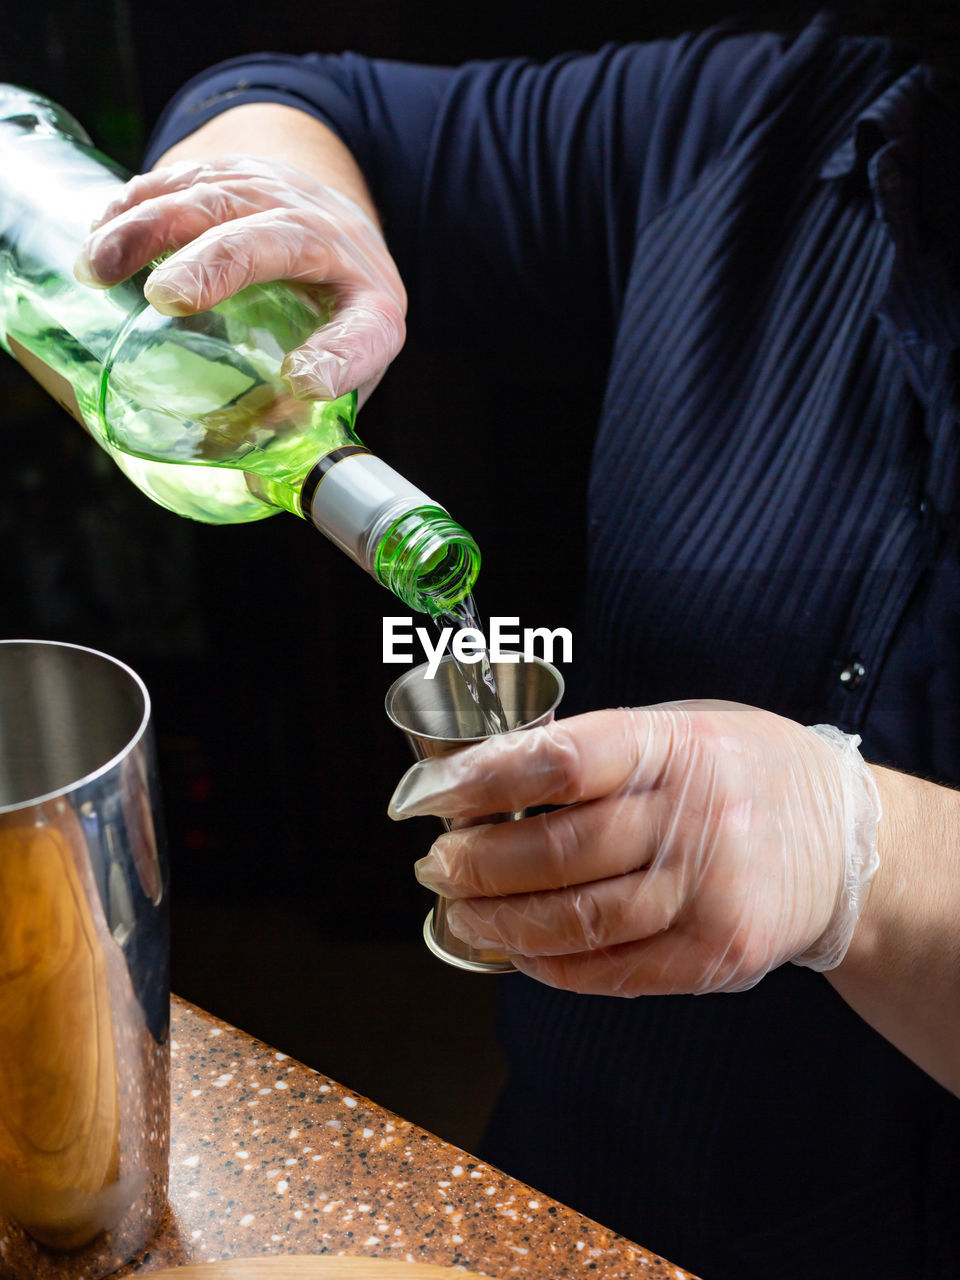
(852,674)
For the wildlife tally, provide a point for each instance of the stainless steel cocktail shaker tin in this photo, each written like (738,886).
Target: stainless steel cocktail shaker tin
(84,965)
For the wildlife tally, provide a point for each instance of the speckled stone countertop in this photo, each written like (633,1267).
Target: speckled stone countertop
(268,1156)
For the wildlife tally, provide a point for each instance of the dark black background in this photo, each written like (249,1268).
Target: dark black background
(261,644)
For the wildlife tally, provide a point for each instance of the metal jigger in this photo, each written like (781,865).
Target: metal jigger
(439,716)
(84,984)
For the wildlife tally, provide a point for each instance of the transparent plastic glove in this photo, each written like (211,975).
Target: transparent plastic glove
(235,221)
(701,844)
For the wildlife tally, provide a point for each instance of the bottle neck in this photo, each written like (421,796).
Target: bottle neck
(392,529)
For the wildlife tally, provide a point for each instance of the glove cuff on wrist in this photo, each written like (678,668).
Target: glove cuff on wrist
(861,804)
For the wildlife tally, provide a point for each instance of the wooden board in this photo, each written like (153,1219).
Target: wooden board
(325,1266)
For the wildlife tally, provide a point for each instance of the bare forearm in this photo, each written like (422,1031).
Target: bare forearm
(902,971)
(274,131)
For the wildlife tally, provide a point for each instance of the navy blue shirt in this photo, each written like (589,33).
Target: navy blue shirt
(751,242)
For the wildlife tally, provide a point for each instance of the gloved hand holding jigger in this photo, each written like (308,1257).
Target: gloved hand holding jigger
(691,847)
(439,716)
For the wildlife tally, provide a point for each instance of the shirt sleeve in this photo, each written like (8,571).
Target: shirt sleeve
(511,191)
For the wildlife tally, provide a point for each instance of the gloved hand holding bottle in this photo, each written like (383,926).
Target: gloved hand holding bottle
(248,407)
(239,220)
(699,845)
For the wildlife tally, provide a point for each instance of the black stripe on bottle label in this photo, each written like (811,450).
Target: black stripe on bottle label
(326,463)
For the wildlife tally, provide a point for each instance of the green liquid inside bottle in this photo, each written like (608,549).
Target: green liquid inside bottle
(193,409)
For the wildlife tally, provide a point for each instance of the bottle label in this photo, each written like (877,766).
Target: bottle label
(54,383)
(325,464)
(358,500)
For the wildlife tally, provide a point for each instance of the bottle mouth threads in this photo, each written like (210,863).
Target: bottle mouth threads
(428,560)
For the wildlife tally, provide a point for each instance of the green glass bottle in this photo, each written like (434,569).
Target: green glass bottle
(193,409)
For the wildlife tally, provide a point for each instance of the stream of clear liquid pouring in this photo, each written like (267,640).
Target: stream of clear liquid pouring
(478,676)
